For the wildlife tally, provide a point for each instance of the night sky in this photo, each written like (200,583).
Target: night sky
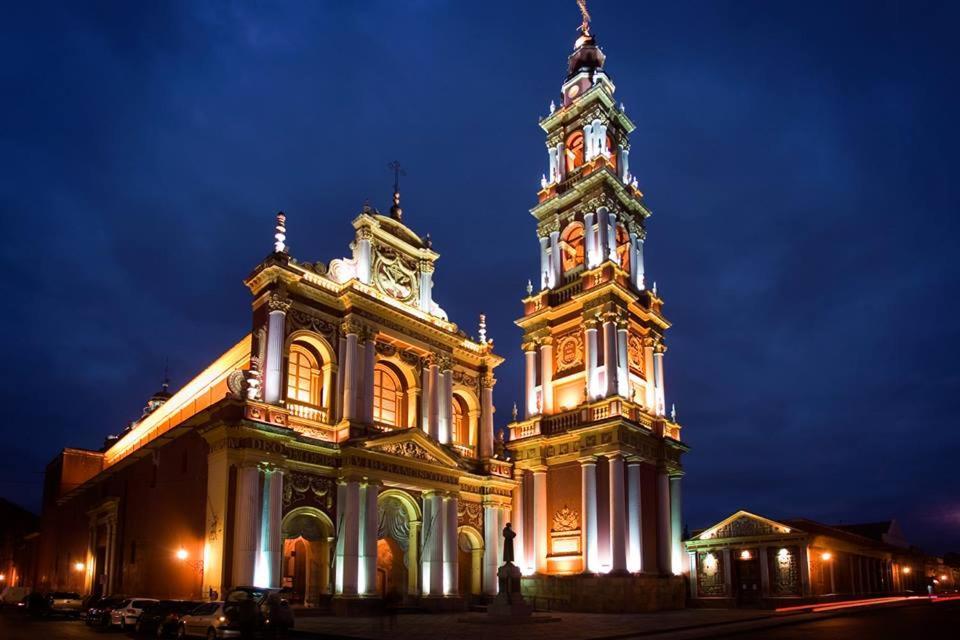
(799,158)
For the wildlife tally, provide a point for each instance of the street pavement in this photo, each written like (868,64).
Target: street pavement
(908,620)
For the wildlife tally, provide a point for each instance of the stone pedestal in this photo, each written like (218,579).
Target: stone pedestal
(509,602)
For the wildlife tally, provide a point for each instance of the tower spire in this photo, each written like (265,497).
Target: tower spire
(280,237)
(395,211)
(585,26)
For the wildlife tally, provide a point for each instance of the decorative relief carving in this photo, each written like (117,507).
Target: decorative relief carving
(386,349)
(710,575)
(569,351)
(395,274)
(278,302)
(303,320)
(743,526)
(302,489)
(470,513)
(566,519)
(394,522)
(465,379)
(635,353)
(406,449)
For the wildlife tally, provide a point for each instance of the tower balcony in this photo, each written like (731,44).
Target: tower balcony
(590,413)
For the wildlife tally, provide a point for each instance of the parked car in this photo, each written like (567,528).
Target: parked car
(163,618)
(13,596)
(127,614)
(209,620)
(98,614)
(65,602)
(273,615)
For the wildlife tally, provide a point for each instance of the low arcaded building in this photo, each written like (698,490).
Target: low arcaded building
(747,559)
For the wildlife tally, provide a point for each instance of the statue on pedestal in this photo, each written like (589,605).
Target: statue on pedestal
(509,602)
(508,536)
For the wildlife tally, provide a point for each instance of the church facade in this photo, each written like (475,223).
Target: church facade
(345,448)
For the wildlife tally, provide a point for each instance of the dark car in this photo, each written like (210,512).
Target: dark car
(162,618)
(264,611)
(98,614)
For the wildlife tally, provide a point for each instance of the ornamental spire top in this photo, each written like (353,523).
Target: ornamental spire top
(585,26)
(395,211)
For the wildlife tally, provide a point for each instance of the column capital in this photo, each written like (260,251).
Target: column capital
(487,381)
(590,323)
(278,302)
(587,460)
(444,362)
(634,460)
(529,346)
(351,327)
(546,341)
(539,468)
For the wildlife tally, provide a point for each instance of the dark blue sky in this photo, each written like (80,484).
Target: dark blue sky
(799,159)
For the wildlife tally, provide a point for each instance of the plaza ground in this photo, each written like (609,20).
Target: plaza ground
(897,620)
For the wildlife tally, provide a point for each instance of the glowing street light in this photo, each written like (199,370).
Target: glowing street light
(3,577)
(907,569)
(79,566)
(745,554)
(182,554)
(826,555)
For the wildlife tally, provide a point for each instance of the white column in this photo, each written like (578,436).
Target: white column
(426,534)
(351,538)
(641,282)
(485,436)
(246,523)
(593,391)
(618,529)
(634,518)
(446,405)
(603,234)
(588,506)
(764,571)
(369,531)
(676,525)
(370,361)
(426,285)
(561,162)
(519,550)
(650,376)
(434,400)
(661,401)
(555,271)
(544,263)
(600,131)
(663,522)
(425,397)
(610,355)
(530,358)
(540,519)
(338,532)
(110,558)
(633,257)
(349,373)
(588,142)
(546,375)
(363,255)
(341,360)
(450,547)
(491,545)
(623,367)
(552,153)
(434,546)
(612,237)
(274,357)
(804,561)
(624,164)
(267,572)
(591,258)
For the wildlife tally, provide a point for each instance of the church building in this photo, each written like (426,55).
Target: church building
(345,447)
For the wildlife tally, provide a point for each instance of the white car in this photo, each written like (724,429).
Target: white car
(207,621)
(65,602)
(13,596)
(127,614)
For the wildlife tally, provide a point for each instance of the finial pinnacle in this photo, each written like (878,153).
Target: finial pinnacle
(395,211)
(529,288)
(585,26)
(483,329)
(280,237)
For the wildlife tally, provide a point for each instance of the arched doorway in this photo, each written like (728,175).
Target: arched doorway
(397,544)
(470,549)
(306,555)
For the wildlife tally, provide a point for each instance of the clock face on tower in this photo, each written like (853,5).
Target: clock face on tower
(395,276)
(573,91)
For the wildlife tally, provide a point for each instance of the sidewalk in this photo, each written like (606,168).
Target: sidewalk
(687,624)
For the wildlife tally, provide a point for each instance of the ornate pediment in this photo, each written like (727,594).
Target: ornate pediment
(744,525)
(406,449)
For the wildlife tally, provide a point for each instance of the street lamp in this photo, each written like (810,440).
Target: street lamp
(907,570)
(182,554)
(79,566)
(3,577)
(826,555)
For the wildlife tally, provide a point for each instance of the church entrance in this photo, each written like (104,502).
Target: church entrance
(470,561)
(306,555)
(746,579)
(397,570)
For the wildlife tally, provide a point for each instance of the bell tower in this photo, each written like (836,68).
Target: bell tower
(595,412)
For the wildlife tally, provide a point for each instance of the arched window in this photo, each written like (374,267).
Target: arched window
(573,150)
(303,376)
(623,247)
(571,244)
(386,396)
(461,426)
